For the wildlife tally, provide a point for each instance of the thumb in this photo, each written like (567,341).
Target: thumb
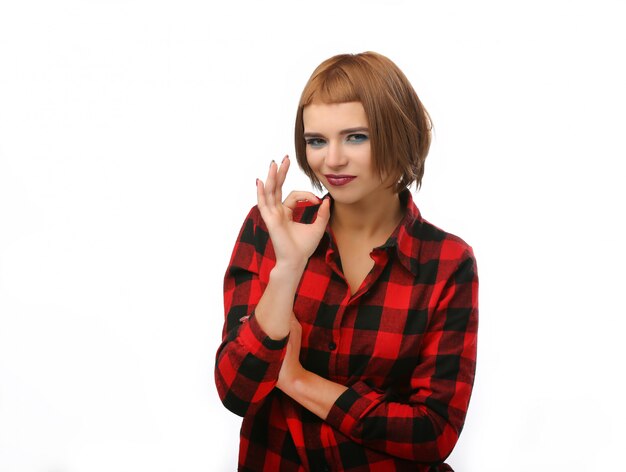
(323,214)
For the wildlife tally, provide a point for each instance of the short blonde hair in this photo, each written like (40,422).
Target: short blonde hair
(399,125)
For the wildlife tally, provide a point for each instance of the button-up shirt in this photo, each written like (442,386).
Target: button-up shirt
(404,344)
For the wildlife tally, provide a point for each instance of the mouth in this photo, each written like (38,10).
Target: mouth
(339,180)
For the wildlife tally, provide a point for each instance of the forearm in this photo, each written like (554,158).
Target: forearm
(275,308)
(315,393)
(293,244)
(412,432)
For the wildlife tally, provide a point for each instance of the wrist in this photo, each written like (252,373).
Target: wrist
(275,308)
(288,270)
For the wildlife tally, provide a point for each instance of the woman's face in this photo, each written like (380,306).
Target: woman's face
(338,151)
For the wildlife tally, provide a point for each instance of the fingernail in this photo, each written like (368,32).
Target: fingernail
(273,162)
(257,182)
(286,157)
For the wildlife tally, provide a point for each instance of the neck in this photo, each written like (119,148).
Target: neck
(375,218)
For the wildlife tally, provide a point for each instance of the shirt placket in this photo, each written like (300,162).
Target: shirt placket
(332,260)
(338,360)
(338,364)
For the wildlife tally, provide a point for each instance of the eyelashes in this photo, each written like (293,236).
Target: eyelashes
(355,138)
(315,142)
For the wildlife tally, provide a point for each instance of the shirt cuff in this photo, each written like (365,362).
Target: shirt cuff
(351,406)
(259,344)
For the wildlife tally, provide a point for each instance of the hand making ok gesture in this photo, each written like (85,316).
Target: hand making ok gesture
(293,242)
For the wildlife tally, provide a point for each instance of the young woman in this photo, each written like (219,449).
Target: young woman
(350,333)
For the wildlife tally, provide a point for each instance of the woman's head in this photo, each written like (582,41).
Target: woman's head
(400,128)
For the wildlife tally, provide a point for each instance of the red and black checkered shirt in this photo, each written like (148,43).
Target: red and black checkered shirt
(404,344)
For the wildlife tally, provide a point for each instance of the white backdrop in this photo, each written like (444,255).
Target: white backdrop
(131,133)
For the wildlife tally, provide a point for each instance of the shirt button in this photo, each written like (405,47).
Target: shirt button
(332,346)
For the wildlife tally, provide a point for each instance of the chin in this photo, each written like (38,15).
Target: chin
(346,198)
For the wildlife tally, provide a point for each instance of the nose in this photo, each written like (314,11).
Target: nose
(335,155)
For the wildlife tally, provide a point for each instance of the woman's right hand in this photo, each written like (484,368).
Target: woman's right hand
(293,242)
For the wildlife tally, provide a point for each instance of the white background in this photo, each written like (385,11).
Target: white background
(131,133)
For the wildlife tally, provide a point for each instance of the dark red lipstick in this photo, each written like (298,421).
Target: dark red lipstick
(337,180)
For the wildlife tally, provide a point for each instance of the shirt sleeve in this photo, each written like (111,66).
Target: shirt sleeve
(426,427)
(247,360)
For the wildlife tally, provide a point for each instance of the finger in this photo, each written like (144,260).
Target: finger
(299,196)
(270,185)
(323,214)
(260,195)
(294,324)
(281,175)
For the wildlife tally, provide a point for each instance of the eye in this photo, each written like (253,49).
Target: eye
(357,138)
(315,142)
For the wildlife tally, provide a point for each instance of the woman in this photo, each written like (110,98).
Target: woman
(350,333)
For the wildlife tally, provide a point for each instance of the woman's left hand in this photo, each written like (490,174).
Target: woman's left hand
(291,369)
(315,393)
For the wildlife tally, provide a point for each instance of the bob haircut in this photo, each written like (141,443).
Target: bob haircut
(399,125)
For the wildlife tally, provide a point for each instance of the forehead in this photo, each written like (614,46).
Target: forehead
(328,116)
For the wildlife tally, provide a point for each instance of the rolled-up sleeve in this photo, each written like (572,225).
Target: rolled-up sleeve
(247,360)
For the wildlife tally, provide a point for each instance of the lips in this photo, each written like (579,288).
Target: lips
(339,180)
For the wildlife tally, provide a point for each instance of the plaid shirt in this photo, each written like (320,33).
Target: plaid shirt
(404,344)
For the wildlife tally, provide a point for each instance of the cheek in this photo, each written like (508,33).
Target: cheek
(364,159)
(313,158)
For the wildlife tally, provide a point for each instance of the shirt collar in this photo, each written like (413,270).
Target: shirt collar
(402,241)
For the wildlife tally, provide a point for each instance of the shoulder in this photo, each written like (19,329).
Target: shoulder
(423,240)
(439,255)
(429,233)
(433,246)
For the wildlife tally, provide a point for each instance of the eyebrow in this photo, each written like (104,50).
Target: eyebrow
(343,131)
